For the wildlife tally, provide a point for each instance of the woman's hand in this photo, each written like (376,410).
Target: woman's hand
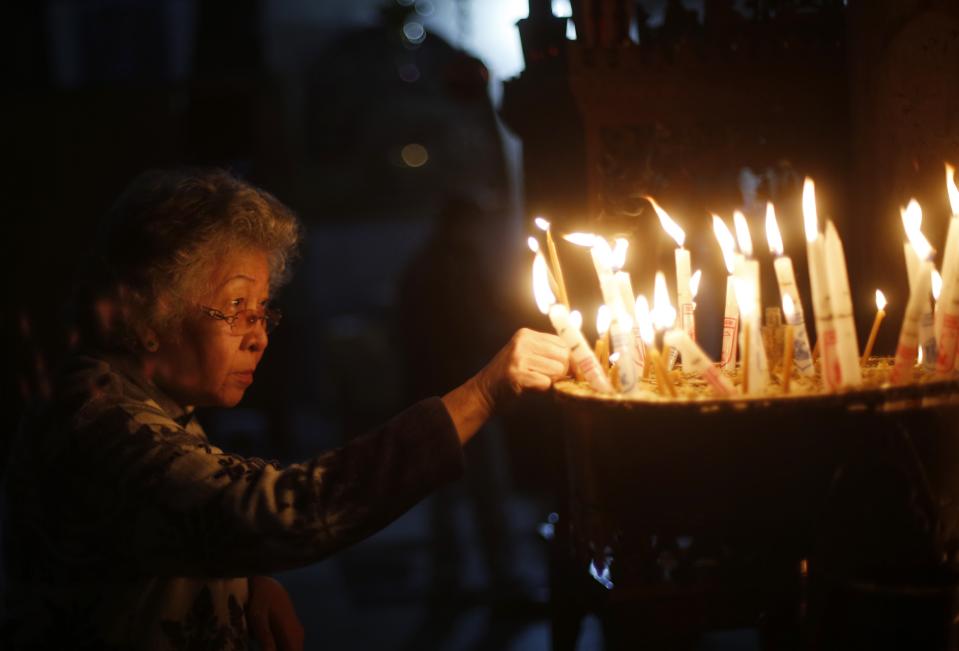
(270,616)
(530,361)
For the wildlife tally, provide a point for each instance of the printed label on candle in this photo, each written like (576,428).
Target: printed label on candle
(689,319)
(905,359)
(830,359)
(949,337)
(730,336)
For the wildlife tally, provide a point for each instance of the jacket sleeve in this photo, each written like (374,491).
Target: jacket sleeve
(184,507)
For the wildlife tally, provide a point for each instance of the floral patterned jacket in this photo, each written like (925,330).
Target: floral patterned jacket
(126,529)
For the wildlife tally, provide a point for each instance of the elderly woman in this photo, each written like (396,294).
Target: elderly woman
(126,528)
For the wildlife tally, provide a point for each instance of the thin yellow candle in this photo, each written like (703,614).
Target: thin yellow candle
(544,225)
(789,341)
(880,315)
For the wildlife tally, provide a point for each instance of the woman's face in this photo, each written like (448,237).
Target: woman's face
(207,364)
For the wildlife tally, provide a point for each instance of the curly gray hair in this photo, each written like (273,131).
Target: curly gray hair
(160,240)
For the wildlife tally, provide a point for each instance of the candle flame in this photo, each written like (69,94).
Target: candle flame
(541,223)
(613,358)
(581,239)
(773,236)
(645,320)
(619,252)
(880,300)
(603,319)
(533,244)
(912,222)
(809,215)
(664,314)
(576,319)
(694,282)
(603,252)
(541,292)
(745,296)
(726,242)
(936,284)
(919,356)
(951,188)
(672,228)
(742,234)
(789,308)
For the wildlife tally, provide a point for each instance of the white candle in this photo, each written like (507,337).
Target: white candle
(786,278)
(684,297)
(621,329)
(847,343)
(907,348)
(822,304)
(583,357)
(731,313)
(947,312)
(912,221)
(747,271)
(696,361)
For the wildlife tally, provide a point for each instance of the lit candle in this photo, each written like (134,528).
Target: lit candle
(544,225)
(847,342)
(603,319)
(786,278)
(644,322)
(664,316)
(620,330)
(789,340)
(748,306)
(748,272)
(625,285)
(727,243)
(907,348)
(912,221)
(818,283)
(880,315)
(560,317)
(947,309)
(683,270)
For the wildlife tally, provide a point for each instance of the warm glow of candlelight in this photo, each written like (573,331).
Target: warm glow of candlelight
(726,242)
(874,331)
(672,228)
(912,222)
(809,214)
(613,358)
(533,244)
(880,300)
(581,239)
(746,297)
(936,284)
(620,247)
(664,314)
(603,251)
(541,223)
(645,320)
(951,188)
(541,291)
(773,236)
(603,318)
(694,281)
(919,356)
(576,319)
(789,308)
(742,234)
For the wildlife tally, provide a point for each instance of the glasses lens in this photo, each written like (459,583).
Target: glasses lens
(247,320)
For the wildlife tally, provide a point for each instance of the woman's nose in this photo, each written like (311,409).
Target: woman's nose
(256,339)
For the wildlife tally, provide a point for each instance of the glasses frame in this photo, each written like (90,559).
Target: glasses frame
(270,317)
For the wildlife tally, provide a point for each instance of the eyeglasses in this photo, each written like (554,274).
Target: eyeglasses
(244,321)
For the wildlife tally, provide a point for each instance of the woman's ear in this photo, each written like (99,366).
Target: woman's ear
(148,339)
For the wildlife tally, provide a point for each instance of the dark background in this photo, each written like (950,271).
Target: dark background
(388,127)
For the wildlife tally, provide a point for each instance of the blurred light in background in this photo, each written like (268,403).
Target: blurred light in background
(414,32)
(414,155)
